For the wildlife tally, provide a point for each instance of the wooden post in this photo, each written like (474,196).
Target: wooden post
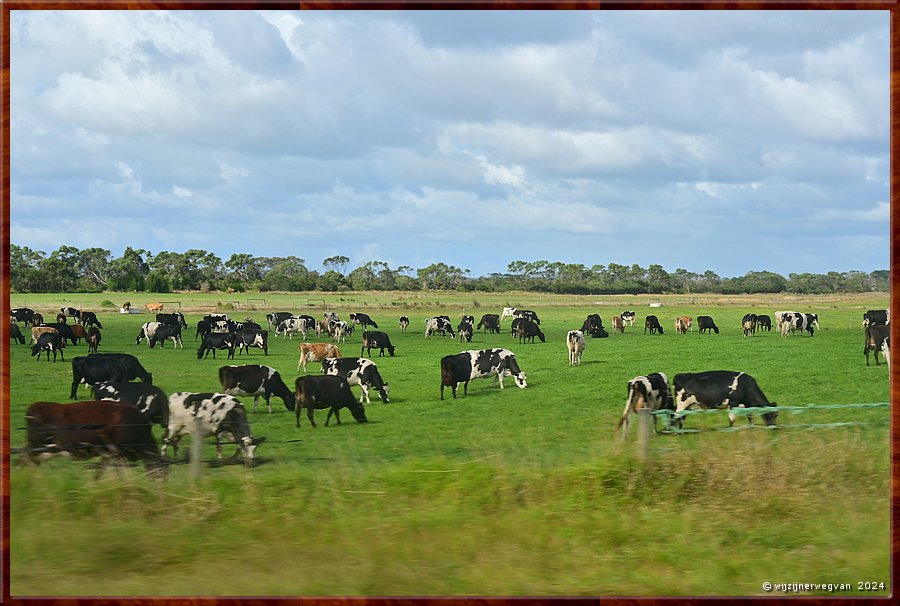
(196,451)
(643,433)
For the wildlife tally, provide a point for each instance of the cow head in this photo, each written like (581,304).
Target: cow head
(358,412)
(521,380)
(769,417)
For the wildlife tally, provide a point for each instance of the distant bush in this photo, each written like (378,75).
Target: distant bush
(107,303)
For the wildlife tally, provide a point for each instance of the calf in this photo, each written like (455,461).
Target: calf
(164,333)
(680,326)
(83,430)
(214,341)
(16,333)
(374,339)
(358,371)
(97,367)
(37,320)
(93,339)
(490,323)
(148,329)
(213,414)
(363,320)
(148,399)
(313,392)
(404,324)
(720,389)
(339,331)
(49,341)
(255,380)
(575,346)
(618,324)
(316,352)
(706,323)
(652,324)
(646,392)
(528,330)
(468,365)
(248,338)
(748,324)
(876,334)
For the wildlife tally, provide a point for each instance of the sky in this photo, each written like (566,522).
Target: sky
(705,140)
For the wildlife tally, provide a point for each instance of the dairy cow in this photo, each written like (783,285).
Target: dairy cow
(213,414)
(706,323)
(97,367)
(318,392)
(874,317)
(439,324)
(373,339)
(876,335)
(147,398)
(166,332)
(316,352)
(628,316)
(723,389)
(16,333)
(255,380)
(575,346)
(404,324)
(148,329)
(247,338)
(651,323)
(748,324)
(528,330)
(214,341)
(358,371)
(363,320)
(646,392)
(489,323)
(474,364)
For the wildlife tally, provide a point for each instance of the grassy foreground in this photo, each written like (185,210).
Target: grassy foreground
(519,492)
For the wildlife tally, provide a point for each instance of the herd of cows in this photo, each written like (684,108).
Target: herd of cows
(117,423)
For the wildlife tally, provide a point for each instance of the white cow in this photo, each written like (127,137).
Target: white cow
(575,344)
(218,414)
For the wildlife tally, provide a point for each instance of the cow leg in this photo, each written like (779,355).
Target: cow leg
(310,414)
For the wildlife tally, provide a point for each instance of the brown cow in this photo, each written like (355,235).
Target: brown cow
(316,352)
(618,324)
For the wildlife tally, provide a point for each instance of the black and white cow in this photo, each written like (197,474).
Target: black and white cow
(528,315)
(876,334)
(16,333)
(789,321)
(340,330)
(875,317)
(147,331)
(277,317)
(528,330)
(467,319)
(97,367)
(71,312)
(166,332)
(652,324)
(149,399)
(720,389)
(317,392)
(289,326)
(646,391)
(255,380)
(404,324)
(708,324)
(764,323)
(474,364)
(22,314)
(508,312)
(375,339)
(439,324)
(214,341)
(247,338)
(575,346)
(628,316)
(358,371)
(490,323)
(89,318)
(65,331)
(363,320)
(219,415)
(465,330)
(748,324)
(176,318)
(49,341)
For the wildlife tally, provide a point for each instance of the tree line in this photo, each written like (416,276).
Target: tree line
(69,269)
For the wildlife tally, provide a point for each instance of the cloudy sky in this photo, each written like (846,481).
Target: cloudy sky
(731,141)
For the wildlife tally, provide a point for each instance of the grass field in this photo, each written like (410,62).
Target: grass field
(513,492)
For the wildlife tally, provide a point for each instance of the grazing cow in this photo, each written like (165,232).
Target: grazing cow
(219,415)
(748,324)
(618,324)
(508,312)
(16,333)
(707,323)
(875,337)
(316,352)
(277,317)
(528,330)
(465,330)
(49,341)
(404,324)
(793,320)
(720,389)
(149,399)
(148,329)
(255,380)
(248,338)
(628,316)
(71,312)
(289,326)
(474,364)
(363,320)
(22,314)
(514,326)
(214,341)
(575,345)
(358,371)
(166,332)
(528,315)
(97,367)
(314,392)
(93,339)
(764,323)
(439,324)
(82,430)
(89,318)
(375,339)
(176,318)
(646,391)
(490,323)
(680,326)
(652,324)
(875,317)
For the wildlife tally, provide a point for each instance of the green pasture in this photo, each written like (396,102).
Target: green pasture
(519,492)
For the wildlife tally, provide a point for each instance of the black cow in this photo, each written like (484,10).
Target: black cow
(875,336)
(646,391)
(164,333)
(255,380)
(375,339)
(89,429)
(358,371)
(147,398)
(652,324)
(22,314)
(176,318)
(467,319)
(246,339)
(16,333)
(706,323)
(89,318)
(490,323)
(720,389)
(363,320)
(591,322)
(93,339)
(49,341)
(875,317)
(97,367)
(528,330)
(404,324)
(528,315)
(748,324)
(65,331)
(314,392)
(214,341)
(764,323)
(468,365)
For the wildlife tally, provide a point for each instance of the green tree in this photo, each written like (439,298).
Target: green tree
(440,276)
(128,272)
(336,263)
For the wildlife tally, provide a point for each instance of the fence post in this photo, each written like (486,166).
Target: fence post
(196,451)
(643,433)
